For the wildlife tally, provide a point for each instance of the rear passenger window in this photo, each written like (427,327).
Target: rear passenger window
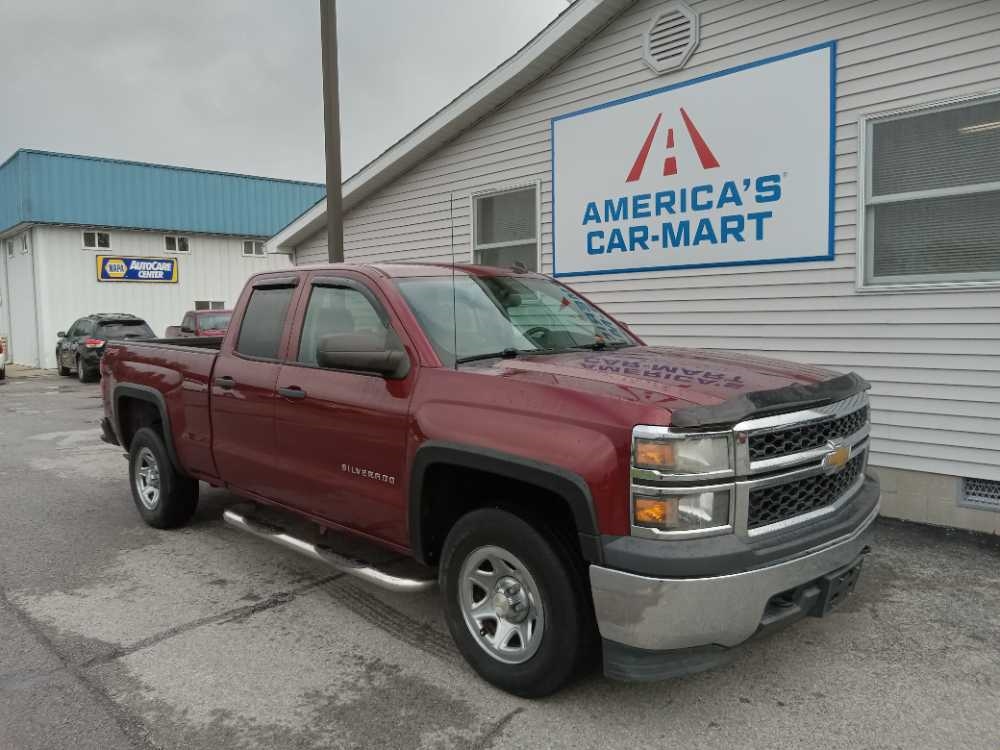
(336,310)
(260,333)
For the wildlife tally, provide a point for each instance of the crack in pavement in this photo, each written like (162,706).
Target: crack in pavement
(486,740)
(133,729)
(237,614)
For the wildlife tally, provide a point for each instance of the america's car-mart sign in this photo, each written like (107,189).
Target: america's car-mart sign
(733,168)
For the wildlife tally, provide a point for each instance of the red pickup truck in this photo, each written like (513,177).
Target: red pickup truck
(574,492)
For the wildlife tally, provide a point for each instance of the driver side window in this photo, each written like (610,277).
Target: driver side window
(335,309)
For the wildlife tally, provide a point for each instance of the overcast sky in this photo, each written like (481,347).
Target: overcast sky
(236,84)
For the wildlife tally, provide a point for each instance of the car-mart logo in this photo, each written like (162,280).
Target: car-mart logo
(711,171)
(705,155)
(118,268)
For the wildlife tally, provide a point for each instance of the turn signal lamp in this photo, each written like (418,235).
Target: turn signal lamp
(652,454)
(688,512)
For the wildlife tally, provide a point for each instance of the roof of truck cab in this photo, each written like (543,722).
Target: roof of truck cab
(410,270)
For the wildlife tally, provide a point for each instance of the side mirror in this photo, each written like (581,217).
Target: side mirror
(61,334)
(379,353)
(186,329)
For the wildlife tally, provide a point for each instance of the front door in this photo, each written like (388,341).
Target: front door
(342,435)
(243,390)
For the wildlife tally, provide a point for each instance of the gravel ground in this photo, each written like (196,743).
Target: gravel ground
(115,635)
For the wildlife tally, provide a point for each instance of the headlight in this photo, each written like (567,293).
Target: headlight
(687,510)
(655,448)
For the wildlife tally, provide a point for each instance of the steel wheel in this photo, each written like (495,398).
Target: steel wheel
(147,479)
(501,604)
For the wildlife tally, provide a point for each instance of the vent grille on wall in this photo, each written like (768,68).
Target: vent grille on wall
(671,38)
(981,493)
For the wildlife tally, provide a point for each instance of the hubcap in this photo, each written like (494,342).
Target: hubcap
(501,604)
(147,479)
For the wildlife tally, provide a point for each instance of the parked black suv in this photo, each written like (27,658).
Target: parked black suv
(82,346)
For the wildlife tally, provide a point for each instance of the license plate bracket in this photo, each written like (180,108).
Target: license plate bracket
(834,587)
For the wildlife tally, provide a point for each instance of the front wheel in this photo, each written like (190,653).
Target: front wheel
(164,498)
(516,602)
(63,370)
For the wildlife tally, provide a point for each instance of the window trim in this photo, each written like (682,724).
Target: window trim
(177,244)
(97,245)
(253,247)
(865,256)
(508,187)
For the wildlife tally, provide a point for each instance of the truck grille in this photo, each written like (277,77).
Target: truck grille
(783,501)
(805,437)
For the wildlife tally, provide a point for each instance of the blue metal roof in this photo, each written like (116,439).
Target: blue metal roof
(51,188)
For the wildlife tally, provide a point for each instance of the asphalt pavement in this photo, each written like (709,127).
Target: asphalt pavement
(114,635)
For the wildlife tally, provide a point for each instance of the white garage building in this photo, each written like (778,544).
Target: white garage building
(81,235)
(816,181)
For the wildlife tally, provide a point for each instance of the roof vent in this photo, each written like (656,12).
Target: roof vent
(981,493)
(671,38)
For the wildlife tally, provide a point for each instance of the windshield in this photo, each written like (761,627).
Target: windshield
(125,329)
(215,322)
(505,316)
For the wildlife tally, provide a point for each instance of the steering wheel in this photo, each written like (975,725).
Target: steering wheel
(537,333)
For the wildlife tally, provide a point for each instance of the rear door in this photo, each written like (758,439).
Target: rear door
(243,386)
(341,436)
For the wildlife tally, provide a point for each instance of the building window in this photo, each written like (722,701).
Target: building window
(253,248)
(9,247)
(505,228)
(204,304)
(932,196)
(175,244)
(93,240)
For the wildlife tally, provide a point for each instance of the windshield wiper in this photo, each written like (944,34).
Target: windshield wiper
(508,353)
(600,346)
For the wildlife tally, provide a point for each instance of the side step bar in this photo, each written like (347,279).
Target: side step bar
(329,557)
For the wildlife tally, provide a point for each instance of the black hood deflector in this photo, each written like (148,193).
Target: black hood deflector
(764,403)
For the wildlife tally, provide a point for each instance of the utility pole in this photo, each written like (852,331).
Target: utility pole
(331,118)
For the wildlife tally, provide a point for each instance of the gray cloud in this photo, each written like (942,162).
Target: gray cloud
(236,84)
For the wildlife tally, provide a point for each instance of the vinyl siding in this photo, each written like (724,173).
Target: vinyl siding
(933,358)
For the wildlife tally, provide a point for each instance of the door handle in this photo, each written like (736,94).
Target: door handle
(292,391)
(225,383)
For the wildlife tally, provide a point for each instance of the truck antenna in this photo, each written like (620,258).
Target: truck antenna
(454,295)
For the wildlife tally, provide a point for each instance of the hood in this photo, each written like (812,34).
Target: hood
(672,377)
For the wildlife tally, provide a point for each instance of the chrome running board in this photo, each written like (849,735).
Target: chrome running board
(346,565)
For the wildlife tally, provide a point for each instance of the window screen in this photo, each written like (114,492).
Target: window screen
(933,208)
(507,229)
(260,332)
(336,310)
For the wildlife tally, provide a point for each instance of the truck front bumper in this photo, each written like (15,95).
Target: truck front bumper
(662,627)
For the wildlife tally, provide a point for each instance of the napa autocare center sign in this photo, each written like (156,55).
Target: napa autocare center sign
(122,268)
(734,168)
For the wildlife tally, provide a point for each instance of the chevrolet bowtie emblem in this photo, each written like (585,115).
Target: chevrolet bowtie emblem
(837,458)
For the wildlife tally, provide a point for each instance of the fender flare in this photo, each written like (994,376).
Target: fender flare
(149,395)
(567,485)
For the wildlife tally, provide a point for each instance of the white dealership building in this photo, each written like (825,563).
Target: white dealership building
(813,181)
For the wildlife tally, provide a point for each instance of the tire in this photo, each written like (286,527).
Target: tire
(64,371)
(83,373)
(559,624)
(164,498)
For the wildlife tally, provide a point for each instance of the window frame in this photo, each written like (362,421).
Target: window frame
(177,244)
(292,282)
(490,192)
(333,281)
(865,258)
(253,248)
(97,243)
